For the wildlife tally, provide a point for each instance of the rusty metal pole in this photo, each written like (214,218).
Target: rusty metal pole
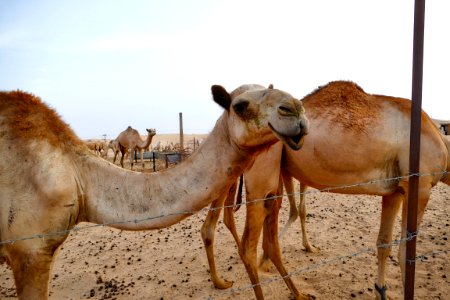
(414,147)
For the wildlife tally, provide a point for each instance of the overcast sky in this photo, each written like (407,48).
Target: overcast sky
(104,65)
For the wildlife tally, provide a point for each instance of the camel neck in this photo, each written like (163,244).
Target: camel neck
(112,194)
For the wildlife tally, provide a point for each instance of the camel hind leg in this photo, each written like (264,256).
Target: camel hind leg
(303,214)
(228,214)
(389,210)
(293,212)
(424,191)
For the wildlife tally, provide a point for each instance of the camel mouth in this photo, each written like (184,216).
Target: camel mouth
(295,142)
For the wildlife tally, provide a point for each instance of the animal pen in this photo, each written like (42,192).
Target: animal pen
(111,288)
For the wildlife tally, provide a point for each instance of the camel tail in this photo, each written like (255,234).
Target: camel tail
(446,178)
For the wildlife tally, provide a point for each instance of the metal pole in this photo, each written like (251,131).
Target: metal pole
(414,147)
(181,136)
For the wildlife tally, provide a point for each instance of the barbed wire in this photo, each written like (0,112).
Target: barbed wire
(410,236)
(328,189)
(322,263)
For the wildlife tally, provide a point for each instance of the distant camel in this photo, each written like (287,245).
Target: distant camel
(355,137)
(130,140)
(92,145)
(42,199)
(98,147)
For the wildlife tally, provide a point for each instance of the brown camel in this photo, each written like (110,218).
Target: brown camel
(355,137)
(130,140)
(42,199)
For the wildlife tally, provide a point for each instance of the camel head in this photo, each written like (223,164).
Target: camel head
(263,116)
(151,132)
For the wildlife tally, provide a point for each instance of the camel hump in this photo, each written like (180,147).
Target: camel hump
(357,109)
(28,117)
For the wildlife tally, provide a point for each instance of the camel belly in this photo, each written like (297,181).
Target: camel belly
(355,176)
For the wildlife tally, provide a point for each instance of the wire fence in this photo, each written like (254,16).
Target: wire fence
(296,272)
(118,222)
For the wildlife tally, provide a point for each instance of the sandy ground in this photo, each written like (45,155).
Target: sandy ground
(105,263)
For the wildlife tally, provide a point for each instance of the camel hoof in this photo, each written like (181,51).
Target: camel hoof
(312,249)
(305,297)
(266,265)
(222,284)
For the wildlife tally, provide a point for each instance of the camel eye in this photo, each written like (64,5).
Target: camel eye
(240,107)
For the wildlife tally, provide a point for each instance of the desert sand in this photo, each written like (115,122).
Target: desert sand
(99,262)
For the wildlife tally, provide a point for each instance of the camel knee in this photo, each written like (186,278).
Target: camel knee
(207,236)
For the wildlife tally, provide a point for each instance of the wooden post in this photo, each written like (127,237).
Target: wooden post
(181,137)
(414,148)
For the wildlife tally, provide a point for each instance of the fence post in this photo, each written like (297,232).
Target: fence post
(181,136)
(153,160)
(414,147)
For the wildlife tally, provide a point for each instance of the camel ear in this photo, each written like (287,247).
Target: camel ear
(221,96)
(270,87)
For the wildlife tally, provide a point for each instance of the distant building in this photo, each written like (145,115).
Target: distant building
(443,125)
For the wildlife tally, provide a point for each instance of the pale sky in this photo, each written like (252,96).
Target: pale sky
(104,65)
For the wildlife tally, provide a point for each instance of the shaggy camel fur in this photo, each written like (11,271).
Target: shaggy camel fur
(54,187)
(342,116)
(130,139)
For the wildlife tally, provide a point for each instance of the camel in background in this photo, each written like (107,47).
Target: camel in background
(98,147)
(130,140)
(45,198)
(354,138)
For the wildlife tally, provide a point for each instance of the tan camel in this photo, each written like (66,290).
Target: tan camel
(114,146)
(355,137)
(43,198)
(97,147)
(130,141)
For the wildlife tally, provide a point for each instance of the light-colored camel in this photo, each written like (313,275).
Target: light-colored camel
(130,141)
(54,187)
(114,146)
(355,138)
(98,147)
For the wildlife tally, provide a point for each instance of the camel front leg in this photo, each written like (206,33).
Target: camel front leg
(249,243)
(131,158)
(115,156)
(208,232)
(271,245)
(31,271)
(389,210)
(141,152)
(123,156)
